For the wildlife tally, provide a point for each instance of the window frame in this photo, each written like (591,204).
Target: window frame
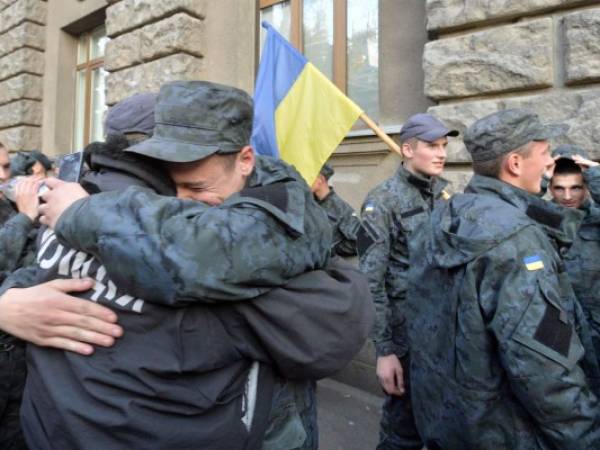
(88,66)
(340,38)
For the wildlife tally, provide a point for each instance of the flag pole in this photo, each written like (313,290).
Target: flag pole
(379,132)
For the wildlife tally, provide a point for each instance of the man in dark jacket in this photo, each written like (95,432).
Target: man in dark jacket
(501,352)
(392,214)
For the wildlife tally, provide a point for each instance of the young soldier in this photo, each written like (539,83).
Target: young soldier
(504,359)
(344,221)
(391,214)
(572,174)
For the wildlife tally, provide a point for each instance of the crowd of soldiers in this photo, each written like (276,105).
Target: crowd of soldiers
(186,293)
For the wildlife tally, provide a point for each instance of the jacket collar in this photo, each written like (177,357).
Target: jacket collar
(427,185)
(559,222)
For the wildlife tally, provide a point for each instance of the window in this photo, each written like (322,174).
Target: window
(340,37)
(90,104)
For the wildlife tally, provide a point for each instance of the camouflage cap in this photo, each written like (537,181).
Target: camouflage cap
(195,119)
(327,171)
(567,151)
(504,131)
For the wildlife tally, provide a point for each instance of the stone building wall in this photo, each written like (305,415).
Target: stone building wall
(542,55)
(22,42)
(157,41)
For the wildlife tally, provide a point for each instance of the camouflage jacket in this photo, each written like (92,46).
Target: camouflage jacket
(391,214)
(174,251)
(344,222)
(501,355)
(17,237)
(582,259)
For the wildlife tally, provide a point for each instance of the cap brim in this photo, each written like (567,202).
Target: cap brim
(172,151)
(437,133)
(551,131)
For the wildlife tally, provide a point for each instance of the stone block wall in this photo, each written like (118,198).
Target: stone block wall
(542,55)
(152,42)
(22,42)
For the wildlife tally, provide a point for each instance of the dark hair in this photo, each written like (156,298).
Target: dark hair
(566,166)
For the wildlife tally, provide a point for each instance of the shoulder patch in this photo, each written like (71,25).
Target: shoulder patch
(533,262)
(276,194)
(412,212)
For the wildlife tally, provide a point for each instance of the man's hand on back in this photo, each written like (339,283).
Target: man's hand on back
(47,316)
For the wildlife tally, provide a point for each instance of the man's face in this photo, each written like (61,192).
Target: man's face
(534,165)
(426,158)
(211,180)
(4,165)
(568,190)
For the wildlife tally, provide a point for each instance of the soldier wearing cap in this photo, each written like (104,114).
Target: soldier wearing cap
(570,177)
(241,227)
(342,217)
(391,214)
(504,357)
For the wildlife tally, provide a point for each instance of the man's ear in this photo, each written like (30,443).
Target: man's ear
(407,150)
(246,160)
(513,164)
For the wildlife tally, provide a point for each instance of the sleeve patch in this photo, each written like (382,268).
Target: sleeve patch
(412,212)
(365,237)
(533,262)
(554,331)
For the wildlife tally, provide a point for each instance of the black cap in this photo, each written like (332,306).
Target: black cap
(135,114)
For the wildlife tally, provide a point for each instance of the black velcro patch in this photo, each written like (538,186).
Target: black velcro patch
(412,212)
(544,216)
(276,194)
(554,331)
(365,237)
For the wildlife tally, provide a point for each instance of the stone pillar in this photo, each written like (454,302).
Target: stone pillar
(154,41)
(22,41)
(543,55)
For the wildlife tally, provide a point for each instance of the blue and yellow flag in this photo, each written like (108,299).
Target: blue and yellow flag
(299,115)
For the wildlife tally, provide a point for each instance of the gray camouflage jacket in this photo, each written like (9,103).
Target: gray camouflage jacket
(174,251)
(583,258)
(391,214)
(501,352)
(344,222)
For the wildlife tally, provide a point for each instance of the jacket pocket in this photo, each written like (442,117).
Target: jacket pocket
(546,329)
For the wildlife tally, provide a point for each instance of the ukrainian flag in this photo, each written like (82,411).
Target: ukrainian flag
(299,115)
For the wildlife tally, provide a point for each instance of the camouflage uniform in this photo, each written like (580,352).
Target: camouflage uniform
(391,214)
(256,240)
(17,242)
(344,222)
(502,356)
(582,259)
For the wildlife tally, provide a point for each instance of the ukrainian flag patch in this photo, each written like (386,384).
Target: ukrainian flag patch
(533,262)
